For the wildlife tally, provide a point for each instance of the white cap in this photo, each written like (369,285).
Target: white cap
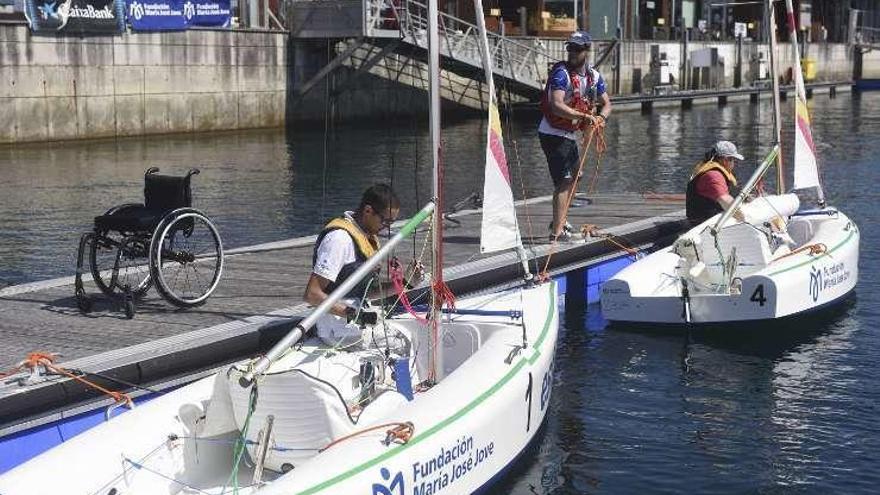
(726,148)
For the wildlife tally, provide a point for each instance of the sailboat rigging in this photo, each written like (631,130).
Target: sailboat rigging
(310,419)
(781,260)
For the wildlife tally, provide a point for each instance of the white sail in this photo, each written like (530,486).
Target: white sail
(499,229)
(806,168)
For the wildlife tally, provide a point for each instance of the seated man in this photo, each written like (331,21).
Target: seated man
(712,186)
(342,247)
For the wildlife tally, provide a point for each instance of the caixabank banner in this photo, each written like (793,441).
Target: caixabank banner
(76,16)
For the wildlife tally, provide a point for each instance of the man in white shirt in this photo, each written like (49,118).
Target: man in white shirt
(342,247)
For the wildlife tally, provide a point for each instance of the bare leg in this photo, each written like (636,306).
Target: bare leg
(560,204)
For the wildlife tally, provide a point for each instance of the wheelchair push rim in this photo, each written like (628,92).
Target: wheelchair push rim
(186,257)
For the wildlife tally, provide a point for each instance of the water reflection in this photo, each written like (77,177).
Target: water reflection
(268,185)
(631,411)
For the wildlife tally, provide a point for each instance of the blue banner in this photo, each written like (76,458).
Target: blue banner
(209,13)
(156,15)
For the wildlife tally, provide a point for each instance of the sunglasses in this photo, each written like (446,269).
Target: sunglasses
(577,48)
(386,222)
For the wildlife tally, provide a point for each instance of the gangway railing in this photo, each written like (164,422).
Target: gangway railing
(520,62)
(866,37)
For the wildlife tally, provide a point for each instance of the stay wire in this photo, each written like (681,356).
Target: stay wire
(516,158)
(326,141)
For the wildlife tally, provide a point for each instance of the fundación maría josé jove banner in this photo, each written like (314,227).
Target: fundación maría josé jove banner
(76,16)
(162,15)
(108,16)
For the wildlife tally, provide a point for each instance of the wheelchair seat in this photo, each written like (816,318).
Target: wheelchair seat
(162,195)
(131,219)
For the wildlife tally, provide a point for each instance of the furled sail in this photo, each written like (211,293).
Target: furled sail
(499,229)
(806,168)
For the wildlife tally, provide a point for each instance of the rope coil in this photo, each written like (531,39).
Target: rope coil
(814,249)
(399,433)
(47,360)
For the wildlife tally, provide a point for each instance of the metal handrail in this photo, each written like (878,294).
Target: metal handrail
(460,39)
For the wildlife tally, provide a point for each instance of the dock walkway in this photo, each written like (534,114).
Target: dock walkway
(263,285)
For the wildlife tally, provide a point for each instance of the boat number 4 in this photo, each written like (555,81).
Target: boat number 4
(758,295)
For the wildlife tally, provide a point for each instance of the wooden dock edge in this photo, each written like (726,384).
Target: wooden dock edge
(164,363)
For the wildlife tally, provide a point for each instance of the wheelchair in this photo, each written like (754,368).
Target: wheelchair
(163,242)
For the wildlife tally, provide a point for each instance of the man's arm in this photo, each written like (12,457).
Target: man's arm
(725,201)
(606,106)
(316,293)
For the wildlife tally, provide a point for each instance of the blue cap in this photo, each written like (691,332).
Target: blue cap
(580,38)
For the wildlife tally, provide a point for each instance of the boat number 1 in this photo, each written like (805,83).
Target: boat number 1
(529,404)
(758,295)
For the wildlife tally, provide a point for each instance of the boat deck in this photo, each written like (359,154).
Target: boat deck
(262,287)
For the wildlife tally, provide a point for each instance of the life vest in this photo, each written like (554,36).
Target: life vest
(699,208)
(574,97)
(364,247)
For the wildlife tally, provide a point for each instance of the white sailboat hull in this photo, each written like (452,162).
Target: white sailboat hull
(651,290)
(467,428)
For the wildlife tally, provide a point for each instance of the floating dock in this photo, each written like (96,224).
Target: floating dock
(258,300)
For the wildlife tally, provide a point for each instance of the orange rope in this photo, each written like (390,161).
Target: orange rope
(593,231)
(47,360)
(400,433)
(672,197)
(600,149)
(817,248)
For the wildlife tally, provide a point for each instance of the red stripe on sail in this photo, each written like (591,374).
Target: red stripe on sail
(497,149)
(792,26)
(804,127)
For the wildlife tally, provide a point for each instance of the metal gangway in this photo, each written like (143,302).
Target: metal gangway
(519,62)
(372,29)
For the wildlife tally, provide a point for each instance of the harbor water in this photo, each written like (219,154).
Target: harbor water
(780,408)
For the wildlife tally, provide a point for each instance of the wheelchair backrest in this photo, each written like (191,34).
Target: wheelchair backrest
(166,192)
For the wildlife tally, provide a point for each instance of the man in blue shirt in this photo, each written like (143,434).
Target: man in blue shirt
(572,95)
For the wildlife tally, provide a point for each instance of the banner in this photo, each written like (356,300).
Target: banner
(156,15)
(208,13)
(76,16)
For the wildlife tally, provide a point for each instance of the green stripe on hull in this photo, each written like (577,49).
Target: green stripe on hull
(812,260)
(458,415)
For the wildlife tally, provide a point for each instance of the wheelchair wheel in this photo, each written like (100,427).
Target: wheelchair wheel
(186,257)
(128,256)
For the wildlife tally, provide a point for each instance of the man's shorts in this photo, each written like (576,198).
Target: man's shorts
(562,156)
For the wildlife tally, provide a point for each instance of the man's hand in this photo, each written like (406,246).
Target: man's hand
(587,120)
(361,317)
(415,273)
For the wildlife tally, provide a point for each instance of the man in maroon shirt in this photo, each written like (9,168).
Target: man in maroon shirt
(712,186)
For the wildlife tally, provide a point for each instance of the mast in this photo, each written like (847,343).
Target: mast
(437,236)
(774,78)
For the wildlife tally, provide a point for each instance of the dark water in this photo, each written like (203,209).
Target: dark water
(776,409)
(783,408)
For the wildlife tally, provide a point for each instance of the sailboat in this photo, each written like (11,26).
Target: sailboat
(423,405)
(787,258)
